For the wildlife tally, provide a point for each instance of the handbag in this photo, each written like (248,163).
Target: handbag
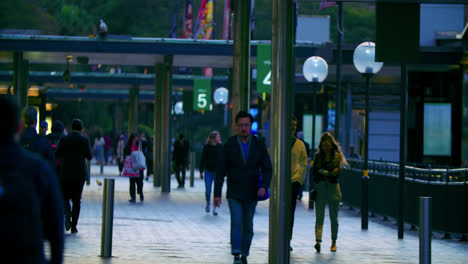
(267,193)
(128,169)
(138,158)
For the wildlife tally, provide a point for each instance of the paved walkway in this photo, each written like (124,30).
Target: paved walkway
(174,228)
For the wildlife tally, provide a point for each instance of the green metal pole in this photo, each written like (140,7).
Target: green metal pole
(339,60)
(403,141)
(133,109)
(158,89)
(241,59)
(165,150)
(282,72)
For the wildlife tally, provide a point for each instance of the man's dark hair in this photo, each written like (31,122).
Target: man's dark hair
(10,120)
(243,114)
(29,115)
(77,125)
(181,136)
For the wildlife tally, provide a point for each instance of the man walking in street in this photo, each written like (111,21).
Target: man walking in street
(30,201)
(298,171)
(73,150)
(243,158)
(180,157)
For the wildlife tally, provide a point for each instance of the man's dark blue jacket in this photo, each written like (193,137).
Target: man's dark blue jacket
(243,178)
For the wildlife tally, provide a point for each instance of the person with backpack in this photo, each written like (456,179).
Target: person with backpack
(32,141)
(73,150)
(30,201)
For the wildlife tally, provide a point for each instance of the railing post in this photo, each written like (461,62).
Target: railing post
(425,230)
(107,218)
(192,168)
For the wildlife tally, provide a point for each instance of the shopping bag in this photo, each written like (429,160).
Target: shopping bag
(138,159)
(128,169)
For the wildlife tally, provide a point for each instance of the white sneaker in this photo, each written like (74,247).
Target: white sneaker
(215,212)
(207,208)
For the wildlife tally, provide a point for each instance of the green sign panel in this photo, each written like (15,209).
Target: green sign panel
(201,94)
(264,68)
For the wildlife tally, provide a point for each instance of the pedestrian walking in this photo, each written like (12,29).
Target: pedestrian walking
(327,163)
(30,202)
(32,141)
(208,164)
(54,139)
(73,150)
(298,171)
(180,157)
(242,159)
(99,148)
(136,178)
(43,127)
(300,136)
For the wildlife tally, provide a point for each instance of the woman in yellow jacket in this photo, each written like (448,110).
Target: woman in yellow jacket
(327,163)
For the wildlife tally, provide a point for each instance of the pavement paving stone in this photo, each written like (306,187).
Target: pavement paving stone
(174,228)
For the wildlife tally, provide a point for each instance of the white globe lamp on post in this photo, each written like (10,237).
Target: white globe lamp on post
(315,70)
(221,95)
(364,61)
(179,108)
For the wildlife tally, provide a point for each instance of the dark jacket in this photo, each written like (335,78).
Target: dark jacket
(243,179)
(210,156)
(329,166)
(39,183)
(33,142)
(73,149)
(181,151)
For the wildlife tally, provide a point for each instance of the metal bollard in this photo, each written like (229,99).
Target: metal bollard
(107,218)
(425,230)
(192,167)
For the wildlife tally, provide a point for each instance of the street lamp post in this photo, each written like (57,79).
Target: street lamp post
(221,96)
(364,61)
(315,70)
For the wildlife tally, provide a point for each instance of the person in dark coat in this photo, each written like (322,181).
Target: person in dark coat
(73,150)
(242,159)
(30,200)
(54,139)
(180,157)
(32,141)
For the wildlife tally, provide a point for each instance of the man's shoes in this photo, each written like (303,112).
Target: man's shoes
(132,201)
(74,230)
(67,223)
(215,211)
(207,208)
(317,247)
(142,197)
(333,246)
(237,260)
(244,259)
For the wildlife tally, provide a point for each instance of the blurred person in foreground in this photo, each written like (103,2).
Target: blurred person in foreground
(327,164)
(30,199)
(208,164)
(242,160)
(73,150)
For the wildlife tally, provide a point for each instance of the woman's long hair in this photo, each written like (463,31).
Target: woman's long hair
(210,140)
(336,149)
(130,140)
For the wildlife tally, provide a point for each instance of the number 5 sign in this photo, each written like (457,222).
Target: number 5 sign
(201,94)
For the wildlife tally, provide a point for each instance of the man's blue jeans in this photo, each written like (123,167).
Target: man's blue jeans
(209,177)
(242,213)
